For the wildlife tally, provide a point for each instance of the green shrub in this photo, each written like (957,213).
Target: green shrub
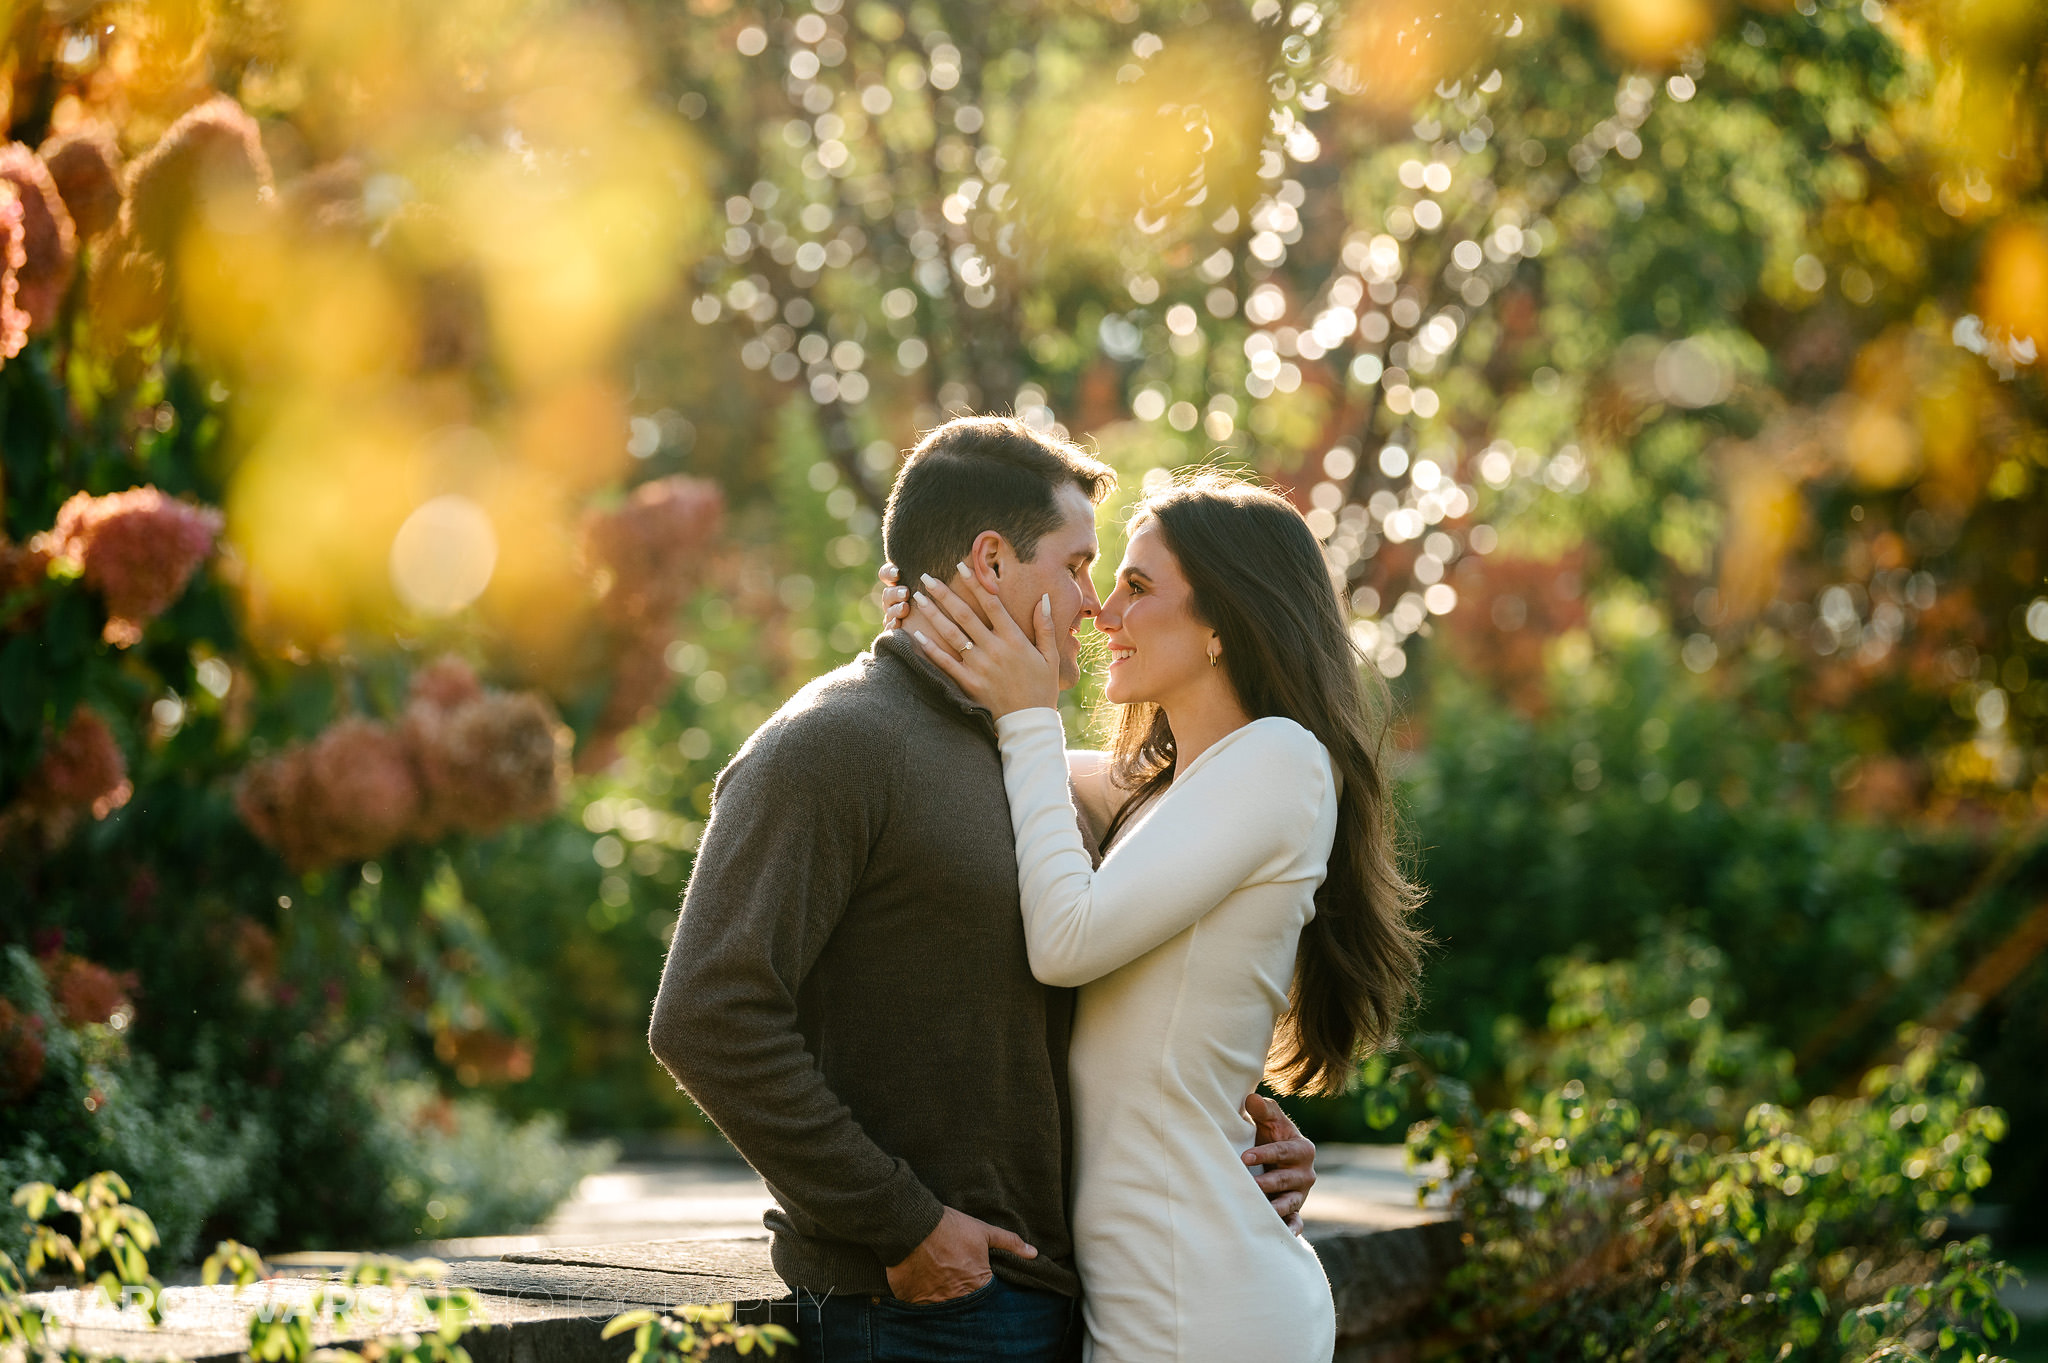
(1645,799)
(100,1106)
(466,1170)
(351,1151)
(1619,1211)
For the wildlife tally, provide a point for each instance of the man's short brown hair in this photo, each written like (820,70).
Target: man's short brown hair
(979,473)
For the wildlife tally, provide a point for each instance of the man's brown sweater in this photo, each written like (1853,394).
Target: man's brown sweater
(848,996)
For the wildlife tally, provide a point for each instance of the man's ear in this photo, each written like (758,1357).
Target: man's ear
(987,559)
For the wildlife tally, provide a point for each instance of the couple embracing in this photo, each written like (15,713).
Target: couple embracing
(988,1015)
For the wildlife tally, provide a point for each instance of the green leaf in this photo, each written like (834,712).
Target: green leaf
(629,1320)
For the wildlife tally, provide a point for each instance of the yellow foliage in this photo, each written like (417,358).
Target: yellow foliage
(270,306)
(574,434)
(1980,120)
(157,64)
(1880,447)
(312,511)
(1951,411)
(497,189)
(1765,517)
(1916,412)
(1654,32)
(2012,283)
(1390,53)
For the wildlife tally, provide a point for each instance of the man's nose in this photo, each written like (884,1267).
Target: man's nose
(1091,600)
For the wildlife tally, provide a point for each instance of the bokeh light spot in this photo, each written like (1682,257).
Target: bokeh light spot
(443,556)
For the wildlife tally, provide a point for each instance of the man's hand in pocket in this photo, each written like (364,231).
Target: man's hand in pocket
(953,1260)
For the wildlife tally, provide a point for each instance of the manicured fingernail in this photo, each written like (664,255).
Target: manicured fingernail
(1045,603)
(963,570)
(923,600)
(921,639)
(928,578)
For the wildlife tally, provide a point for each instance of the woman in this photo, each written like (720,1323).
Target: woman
(1248,920)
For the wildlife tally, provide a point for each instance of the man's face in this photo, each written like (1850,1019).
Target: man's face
(1059,569)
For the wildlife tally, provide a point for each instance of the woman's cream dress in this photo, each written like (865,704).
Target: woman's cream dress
(1182,943)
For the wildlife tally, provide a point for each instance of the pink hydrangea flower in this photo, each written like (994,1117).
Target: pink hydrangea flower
(447,681)
(49,241)
(86,991)
(644,557)
(360,788)
(85,165)
(137,548)
(347,795)
(461,759)
(22,1053)
(485,762)
(645,553)
(82,771)
(14,322)
(82,768)
(271,800)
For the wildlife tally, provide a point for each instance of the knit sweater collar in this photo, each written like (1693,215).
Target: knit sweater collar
(905,650)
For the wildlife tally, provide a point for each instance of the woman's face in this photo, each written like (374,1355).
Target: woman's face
(1157,649)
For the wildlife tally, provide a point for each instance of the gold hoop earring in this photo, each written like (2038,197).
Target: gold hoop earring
(1212,659)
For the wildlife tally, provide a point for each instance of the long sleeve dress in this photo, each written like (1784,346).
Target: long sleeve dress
(1182,944)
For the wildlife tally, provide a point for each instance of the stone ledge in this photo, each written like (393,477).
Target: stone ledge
(550,1306)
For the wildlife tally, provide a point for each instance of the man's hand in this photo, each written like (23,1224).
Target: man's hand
(953,1260)
(1288,1156)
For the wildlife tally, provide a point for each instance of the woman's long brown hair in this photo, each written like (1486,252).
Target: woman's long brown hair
(1259,581)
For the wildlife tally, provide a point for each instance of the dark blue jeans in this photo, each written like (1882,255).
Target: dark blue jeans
(998,1323)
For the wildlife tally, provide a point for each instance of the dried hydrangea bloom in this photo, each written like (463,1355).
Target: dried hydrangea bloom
(359,789)
(85,164)
(484,761)
(82,771)
(83,768)
(644,555)
(137,548)
(486,1057)
(14,322)
(270,798)
(22,1054)
(461,759)
(49,242)
(644,558)
(85,992)
(446,681)
(638,673)
(210,160)
(21,565)
(346,796)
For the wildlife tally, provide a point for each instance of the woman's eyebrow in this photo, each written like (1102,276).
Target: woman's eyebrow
(1139,573)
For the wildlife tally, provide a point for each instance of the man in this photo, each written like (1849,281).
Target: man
(848,995)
